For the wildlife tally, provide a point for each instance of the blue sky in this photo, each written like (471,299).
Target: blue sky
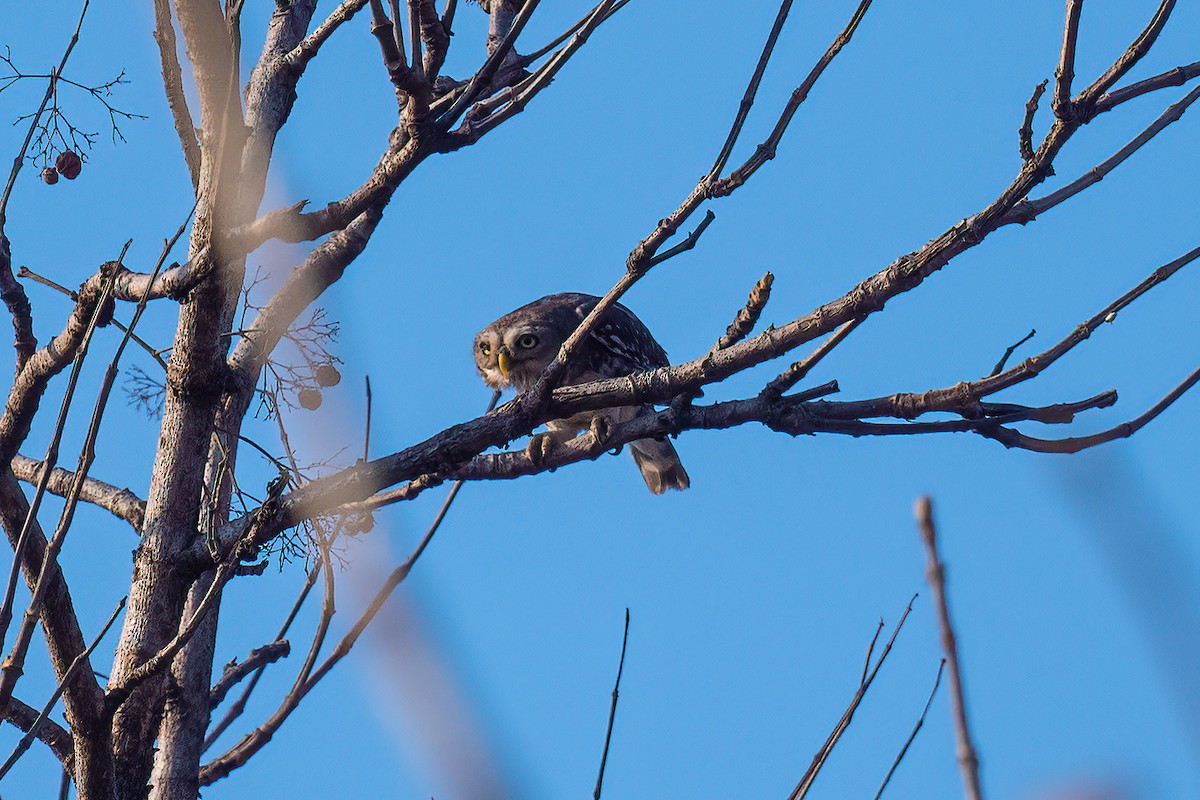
(1073,580)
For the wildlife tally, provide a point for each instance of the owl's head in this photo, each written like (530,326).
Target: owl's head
(514,349)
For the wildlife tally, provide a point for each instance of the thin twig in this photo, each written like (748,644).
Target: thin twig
(1029,209)
(82,658)
(483,78)
(612,710)
(569,32)
(810,775)
(996,370)
(871,652)
(766,151)
(1025,134)
(156,354)
(751,92)
(234,672)
(936,573)
(916,729)
(367,431)
(799,370)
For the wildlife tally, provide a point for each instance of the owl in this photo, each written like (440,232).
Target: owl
(515,349)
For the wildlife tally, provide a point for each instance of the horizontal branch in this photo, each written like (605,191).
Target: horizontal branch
(120,502)
(50,733)
(1174,77)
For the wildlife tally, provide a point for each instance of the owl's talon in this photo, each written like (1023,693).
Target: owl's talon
(600,429)
(540,445)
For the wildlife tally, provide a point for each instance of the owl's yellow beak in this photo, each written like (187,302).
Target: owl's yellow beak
(504,362)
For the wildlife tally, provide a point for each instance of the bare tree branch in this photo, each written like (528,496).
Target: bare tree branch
(50,733)
(185,126)
(1029,209)
(307,49)
(1025,133)
(258,658)
(1175,77)
(120,502)
(814,768)
(1061,102)
(239,706)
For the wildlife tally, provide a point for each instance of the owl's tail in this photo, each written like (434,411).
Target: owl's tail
(660,465)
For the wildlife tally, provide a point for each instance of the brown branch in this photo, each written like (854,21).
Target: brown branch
(118,694)
(394,60)
(304,52)
(1127,60)
(83,698)
(612,710)
(1029,209)
(1008,351)
(1061,102)
(1174,77)
(185,126)
(723,187)
(12,667)
(24,717)
(1025,133)
(546,49)
(751,92)
(488,114)
(936,573)
(234,672)
(486,73)
(814,768)
(1011,438)
(120,502)
(799,370)
(320,269)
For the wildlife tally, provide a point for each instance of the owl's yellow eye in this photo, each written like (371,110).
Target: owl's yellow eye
(485,348)
(527,341)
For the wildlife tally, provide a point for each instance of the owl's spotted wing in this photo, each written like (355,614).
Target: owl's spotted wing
(621,343)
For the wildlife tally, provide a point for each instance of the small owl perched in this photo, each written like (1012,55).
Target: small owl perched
(515,349)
